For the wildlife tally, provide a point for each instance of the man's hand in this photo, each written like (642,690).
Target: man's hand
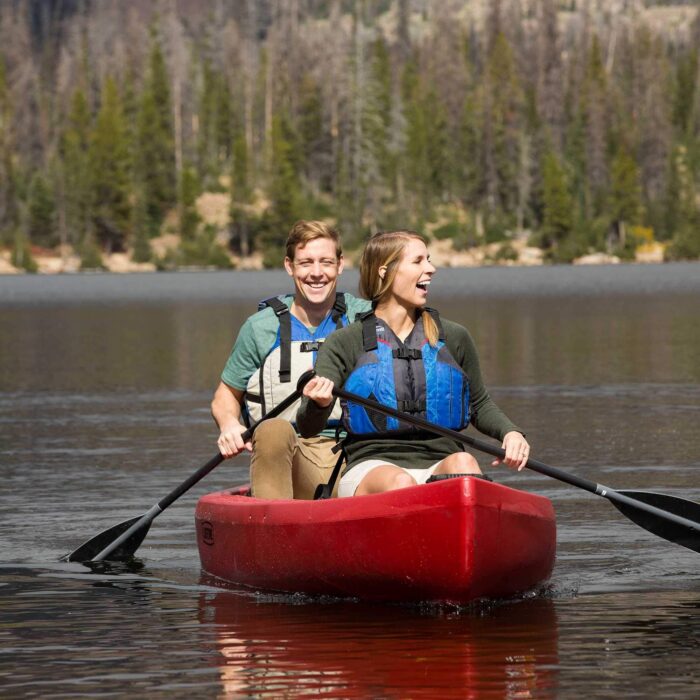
(231,441)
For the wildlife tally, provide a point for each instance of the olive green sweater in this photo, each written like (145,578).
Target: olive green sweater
(336,360)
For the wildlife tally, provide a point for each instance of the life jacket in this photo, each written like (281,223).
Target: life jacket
(293,352)
(413,377)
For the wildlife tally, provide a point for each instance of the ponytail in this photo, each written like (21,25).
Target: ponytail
(430,328)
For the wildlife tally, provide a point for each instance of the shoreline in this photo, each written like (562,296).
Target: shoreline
(62,262)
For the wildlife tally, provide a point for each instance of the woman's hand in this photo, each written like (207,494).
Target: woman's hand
(320,391)
(517,450)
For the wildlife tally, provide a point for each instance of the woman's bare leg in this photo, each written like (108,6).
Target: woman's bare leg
(458,463)
(385,477)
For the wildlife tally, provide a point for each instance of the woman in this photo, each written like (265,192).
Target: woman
(403,355)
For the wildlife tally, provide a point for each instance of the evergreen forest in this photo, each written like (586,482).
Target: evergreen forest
(574,125)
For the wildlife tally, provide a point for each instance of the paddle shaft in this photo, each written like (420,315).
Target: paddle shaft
(535,465)
(146,519)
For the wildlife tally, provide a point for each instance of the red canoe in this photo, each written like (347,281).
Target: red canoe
(455,541)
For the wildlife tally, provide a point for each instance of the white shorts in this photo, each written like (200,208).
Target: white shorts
(351,480)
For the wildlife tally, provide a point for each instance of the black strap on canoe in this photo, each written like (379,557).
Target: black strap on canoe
(285,320)
(324,491)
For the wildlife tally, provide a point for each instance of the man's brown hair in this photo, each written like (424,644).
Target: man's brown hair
(304,231)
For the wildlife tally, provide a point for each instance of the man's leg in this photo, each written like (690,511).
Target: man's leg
(313,464)
(274,446)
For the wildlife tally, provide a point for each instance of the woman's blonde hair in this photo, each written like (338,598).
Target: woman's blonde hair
(385,249)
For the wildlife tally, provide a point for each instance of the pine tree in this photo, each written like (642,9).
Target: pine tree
(155,154)
(625,199)
(378,116)
(468,155)
(312,134)
(22,257)
(685,89)
(76,200)
(557,205)
(284,189)
(502,108)
(594,116)
(109,169)
(285,185)
(206,126)
(141,252)
(9,214)
(41,213)
(189,191)
(684,212)
(90,254)
(241,194)
(425,157)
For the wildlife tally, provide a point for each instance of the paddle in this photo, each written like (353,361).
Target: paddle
(121,541)
(675,519)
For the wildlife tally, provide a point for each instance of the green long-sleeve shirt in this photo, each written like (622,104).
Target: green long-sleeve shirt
(337,358)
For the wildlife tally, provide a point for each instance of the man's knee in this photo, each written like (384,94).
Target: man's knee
(273,436)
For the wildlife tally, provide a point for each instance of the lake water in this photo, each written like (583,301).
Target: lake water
(105,383)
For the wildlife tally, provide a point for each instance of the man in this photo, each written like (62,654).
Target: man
(274,348)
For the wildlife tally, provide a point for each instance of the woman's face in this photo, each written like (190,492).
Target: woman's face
(413,274)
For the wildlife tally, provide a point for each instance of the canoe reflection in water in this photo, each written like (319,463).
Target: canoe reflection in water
(283,649)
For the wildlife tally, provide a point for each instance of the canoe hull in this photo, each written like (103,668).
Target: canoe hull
(455,541)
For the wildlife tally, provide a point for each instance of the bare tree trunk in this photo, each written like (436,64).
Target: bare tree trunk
(551,99)
(334,106)
(358,89)
(403,36)
(268,106)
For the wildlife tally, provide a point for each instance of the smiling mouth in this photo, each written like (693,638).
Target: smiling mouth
(423,285)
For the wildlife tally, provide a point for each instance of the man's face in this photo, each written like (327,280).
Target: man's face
(315,270)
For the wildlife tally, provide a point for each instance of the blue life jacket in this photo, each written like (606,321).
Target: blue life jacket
(293,353)
(411,376)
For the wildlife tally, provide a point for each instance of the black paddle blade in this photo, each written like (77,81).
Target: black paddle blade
(673,532)
(90,549)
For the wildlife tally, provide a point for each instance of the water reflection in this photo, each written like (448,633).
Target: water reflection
(274,649)
(103,410)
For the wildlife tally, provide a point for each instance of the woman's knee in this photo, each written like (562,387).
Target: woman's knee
(384,478)
(400,480)
(458,463)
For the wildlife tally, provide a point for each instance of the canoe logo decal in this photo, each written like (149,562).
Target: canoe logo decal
(207,533)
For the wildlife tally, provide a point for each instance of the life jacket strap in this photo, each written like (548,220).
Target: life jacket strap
(369,330)
(412,406)
(339,310)
(285,320)
(407,354)
(311,345)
